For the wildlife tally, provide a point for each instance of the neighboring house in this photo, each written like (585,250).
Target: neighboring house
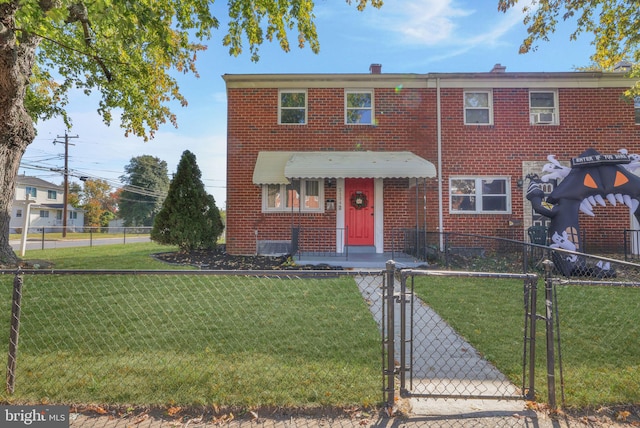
(325,162)
(47,207)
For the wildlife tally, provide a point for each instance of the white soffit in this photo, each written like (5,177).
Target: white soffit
(358,165)
(269,168)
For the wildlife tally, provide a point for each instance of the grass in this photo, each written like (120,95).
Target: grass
(224,340)
(599,327)
(117,256)
(189,339)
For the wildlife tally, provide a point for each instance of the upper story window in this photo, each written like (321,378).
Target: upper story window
(359,107)
(479,195)
(299,195)
(636,105)
(543,107)
(292,105)
(52,194)
(478,108)
(31,191)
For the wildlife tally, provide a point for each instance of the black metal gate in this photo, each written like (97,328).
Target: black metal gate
(430,359)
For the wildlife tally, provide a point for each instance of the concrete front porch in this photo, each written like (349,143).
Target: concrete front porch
(359,257)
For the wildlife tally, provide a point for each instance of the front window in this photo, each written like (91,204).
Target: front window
(44,214)
(299,195)
(73,215)
(543,107)
(488,195)
(52,194)
(18,213)
(293,107)
(359,107)
(31,191)
(636,105)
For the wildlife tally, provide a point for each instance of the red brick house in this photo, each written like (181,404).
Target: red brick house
(326,162)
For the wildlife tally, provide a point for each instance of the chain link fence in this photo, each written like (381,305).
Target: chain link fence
(225,339)
(443,312)
(596,317)
(248,348)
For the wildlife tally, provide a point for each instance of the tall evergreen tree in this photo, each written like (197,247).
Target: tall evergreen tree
(146,183)
(189,217)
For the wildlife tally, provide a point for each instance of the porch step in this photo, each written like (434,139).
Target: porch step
(361,249)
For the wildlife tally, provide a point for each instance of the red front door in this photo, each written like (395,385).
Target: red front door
(359,212)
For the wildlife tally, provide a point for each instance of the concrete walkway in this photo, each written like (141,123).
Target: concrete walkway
(445,364)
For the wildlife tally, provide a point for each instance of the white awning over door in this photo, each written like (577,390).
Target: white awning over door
(278,167)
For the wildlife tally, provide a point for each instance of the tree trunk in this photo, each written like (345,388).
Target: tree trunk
(16,126)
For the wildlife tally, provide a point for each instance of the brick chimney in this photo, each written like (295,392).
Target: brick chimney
(375,68)
(498,68)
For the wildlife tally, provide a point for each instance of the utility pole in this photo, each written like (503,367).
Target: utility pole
(65,213)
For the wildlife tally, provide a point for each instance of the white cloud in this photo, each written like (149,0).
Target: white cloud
(422,22)
(450,24)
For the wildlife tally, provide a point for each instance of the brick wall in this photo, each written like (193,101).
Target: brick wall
(405,119)
(596,118)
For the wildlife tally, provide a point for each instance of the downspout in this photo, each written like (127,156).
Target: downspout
(439,130)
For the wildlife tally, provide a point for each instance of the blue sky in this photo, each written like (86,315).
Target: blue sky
(405,36)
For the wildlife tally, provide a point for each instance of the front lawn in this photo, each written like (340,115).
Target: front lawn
(194,340)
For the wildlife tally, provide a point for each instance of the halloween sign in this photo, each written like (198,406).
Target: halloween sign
(592,179)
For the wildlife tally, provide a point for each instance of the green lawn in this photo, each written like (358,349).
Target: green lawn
(116,256)
(599,331)
(195,340)
(236,340)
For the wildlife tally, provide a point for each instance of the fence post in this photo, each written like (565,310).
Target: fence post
(548,296)
(532,308)
(14,332)
(390,273)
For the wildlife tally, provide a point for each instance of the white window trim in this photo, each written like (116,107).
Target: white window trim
(372,108)
(478,194)
(280,108)
(284,209)
(489,107)
(556,109)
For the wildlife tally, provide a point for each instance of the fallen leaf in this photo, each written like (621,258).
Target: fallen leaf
(172,411)
(141,419)
(623,415)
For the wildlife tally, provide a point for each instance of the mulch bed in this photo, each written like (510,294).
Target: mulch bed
(218,259)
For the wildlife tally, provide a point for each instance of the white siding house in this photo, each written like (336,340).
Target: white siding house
(47,207)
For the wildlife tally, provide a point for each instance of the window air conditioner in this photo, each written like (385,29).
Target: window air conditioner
(543,118)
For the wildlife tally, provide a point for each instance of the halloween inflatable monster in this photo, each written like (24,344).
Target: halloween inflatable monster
(593,178)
